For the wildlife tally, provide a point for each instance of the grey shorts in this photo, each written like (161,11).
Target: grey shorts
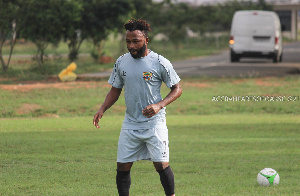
(145,144)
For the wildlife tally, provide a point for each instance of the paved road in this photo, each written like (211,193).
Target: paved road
(220,65)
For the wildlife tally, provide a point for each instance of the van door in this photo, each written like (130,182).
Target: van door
(254,32)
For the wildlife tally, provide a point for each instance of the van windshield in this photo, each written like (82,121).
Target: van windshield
(247,24)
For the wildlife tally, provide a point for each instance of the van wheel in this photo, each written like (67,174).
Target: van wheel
(280,58)
(234,57)
(275,57)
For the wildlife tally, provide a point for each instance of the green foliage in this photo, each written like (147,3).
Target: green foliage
(218,18)
(8,28)
(190,47)
(41,23)
(48,22)
(173,19)
(71,32)
(100,18)
(29,71)
(74,21)
(24,68)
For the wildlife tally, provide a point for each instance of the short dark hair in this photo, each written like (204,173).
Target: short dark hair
(139,24)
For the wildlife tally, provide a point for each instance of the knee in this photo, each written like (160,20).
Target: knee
(161,165)
(124,166)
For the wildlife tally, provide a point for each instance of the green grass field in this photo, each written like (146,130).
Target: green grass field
(210,155)
(48,145)
(84,98)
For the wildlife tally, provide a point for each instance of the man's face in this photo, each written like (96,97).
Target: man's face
(136,43)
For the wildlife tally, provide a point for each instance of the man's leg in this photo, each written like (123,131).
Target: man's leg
(123,178)
(166,177)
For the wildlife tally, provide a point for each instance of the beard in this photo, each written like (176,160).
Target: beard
(140,52)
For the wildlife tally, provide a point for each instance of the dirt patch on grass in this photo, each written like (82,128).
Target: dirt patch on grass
(196,84)
(27,108)
(77,84)
(239,81)
(268,82)
(57,85)
(7,79)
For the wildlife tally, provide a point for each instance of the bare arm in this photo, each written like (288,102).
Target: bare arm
(111,97)
(153,109)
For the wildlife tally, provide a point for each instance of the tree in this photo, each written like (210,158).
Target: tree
(262,5)
(102,17)
(94,20)
(225,12)
(72,21)
(8,28)
(172,20)
(219,17)
(42,24)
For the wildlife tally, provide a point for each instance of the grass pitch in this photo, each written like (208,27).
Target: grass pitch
(201,96)
(48,145)
(210,155)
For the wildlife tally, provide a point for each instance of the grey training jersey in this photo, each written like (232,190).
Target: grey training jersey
(142,79)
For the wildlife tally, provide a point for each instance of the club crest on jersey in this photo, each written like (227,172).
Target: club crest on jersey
(147,76)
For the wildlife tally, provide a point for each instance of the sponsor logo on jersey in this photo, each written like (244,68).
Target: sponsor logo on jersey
(147,76)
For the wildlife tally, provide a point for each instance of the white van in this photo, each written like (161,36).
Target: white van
(255,33)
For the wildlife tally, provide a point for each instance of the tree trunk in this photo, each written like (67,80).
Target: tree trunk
(74,47)
(3,63)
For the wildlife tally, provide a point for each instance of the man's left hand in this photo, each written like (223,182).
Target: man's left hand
(151,110)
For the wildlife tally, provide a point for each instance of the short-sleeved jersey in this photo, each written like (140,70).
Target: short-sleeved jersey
(142,79)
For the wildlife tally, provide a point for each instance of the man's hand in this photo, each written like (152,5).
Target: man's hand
(151,110)
(110,99)
(96,119)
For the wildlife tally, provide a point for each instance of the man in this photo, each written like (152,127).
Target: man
(144,134)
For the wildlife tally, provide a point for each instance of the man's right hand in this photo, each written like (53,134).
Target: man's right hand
(110,99)
(96,119)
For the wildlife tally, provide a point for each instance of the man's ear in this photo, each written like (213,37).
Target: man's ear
(147,40)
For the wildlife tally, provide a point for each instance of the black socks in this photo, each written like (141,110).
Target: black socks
(123,180)
(167,180)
